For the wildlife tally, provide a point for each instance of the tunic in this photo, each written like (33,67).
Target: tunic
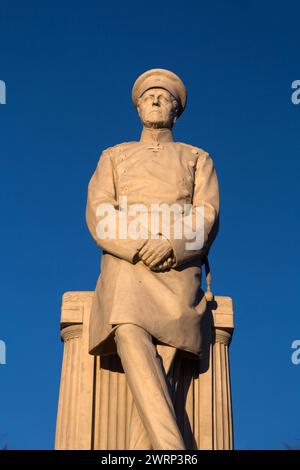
(170,305)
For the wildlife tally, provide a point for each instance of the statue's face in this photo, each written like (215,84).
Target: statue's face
(157,108)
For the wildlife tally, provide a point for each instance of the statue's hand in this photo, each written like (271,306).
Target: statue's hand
(165,265)
(155,252)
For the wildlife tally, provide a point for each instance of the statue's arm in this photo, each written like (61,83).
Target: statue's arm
(101,190)
(206,193)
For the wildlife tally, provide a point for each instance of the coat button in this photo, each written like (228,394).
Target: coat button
(125,188)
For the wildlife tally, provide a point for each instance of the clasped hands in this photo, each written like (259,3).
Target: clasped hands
(157,254)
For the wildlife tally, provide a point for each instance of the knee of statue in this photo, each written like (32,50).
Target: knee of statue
(127,332)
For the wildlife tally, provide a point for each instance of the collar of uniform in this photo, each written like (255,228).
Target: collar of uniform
(156,135)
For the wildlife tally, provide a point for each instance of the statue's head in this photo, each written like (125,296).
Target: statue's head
(157,108)
(160,97)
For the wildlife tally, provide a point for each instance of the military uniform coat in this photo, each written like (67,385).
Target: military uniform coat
(169,305)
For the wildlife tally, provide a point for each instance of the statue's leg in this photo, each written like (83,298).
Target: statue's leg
(172,366)
(139,439)
(147,381)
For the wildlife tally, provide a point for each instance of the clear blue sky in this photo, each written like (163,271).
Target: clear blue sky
(69,68)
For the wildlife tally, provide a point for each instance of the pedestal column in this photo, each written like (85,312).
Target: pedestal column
(68,416)
(74,427)
(222,410)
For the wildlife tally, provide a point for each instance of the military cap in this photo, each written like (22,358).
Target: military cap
(160,78)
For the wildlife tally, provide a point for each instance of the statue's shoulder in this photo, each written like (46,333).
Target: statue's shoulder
(192,149)
(116,149)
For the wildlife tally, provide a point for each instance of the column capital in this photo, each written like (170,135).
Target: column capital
(71,332)
(223,335)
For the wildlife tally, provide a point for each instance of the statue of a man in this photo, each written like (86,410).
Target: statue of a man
(149,290)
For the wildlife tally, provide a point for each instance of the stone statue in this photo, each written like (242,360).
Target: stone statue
(149,290)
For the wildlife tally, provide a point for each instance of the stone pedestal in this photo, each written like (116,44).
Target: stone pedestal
(95,401)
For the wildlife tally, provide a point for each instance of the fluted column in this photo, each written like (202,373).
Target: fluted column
(75,405)
(211,384)
(67,415)
(222,410)
(112,405)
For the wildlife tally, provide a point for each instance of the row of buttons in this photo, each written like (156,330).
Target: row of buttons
(123,171)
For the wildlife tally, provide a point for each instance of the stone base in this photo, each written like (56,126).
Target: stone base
(95,401)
